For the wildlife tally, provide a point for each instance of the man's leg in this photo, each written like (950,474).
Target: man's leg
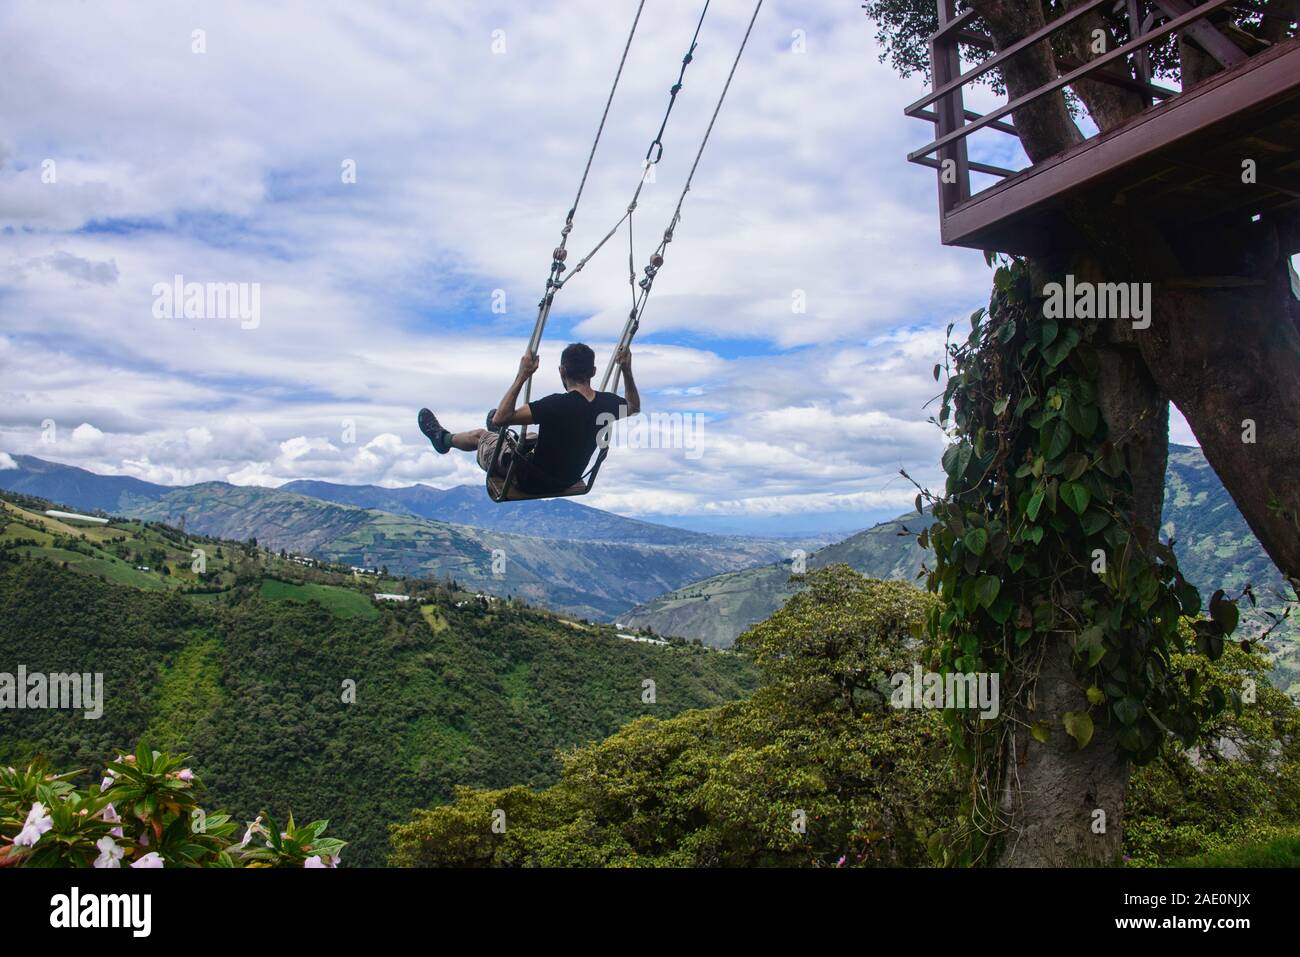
(443,440)
(468,441)
(480,441)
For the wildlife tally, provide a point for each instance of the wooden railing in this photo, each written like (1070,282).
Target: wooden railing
(1127,65)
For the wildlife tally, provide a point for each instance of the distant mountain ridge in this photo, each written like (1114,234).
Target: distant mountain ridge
(560,554)
(1215,548)
(460,505)
(718,609)
(596,579)
(115,494)
(470,505)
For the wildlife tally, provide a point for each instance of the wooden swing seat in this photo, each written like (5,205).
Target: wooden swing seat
(498,492)
(503,477)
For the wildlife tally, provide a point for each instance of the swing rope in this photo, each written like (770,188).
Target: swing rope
(561,253)
(656,149)
(556,280)
(657,258)
(582,184)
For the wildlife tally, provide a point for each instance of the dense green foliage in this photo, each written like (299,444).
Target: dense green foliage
(877,786)
(1035,544)
(816,768)
(468,699)
(904,28)
(145,813)
(1239,785)
(1280,851)
(341,602)
(458,690)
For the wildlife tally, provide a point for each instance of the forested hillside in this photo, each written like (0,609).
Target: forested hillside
(294,689)
(819,768)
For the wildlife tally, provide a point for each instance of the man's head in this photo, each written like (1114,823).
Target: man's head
(577,364)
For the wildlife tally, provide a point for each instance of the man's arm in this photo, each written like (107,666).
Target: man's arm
(506,413)
(624,360)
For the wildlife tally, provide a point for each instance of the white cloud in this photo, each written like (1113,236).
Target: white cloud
(86,434)
(800,308)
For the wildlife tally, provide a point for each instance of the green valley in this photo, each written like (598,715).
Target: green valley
(294,688)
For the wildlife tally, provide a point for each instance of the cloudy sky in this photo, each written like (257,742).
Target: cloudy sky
(793,327)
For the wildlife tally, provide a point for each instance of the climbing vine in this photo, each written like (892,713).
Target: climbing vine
(1035,543)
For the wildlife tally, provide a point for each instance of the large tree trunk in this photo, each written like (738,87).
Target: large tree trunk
(1044,127)
(1066,806)
(1224,345)
(1230,359)
(1108,104)
(1053,792)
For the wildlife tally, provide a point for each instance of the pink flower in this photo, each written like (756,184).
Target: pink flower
(38,822)
(149,860)
(109,814)
(315,861)
(185,774)
(254,827)
(110,855)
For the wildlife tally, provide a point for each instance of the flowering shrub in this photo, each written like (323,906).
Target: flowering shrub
(144,813)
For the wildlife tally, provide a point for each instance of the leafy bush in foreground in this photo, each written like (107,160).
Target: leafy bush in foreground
(143,814)
(1240,785)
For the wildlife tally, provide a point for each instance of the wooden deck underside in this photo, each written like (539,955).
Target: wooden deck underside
(1178,163)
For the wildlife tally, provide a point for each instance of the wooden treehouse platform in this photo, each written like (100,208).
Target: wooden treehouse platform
(1177,163)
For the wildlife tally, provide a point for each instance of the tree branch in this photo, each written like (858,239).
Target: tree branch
(1108,104)
(1045,126)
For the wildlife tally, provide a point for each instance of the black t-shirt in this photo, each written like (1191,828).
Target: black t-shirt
(567,428)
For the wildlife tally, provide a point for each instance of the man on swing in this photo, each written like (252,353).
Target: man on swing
(568,421)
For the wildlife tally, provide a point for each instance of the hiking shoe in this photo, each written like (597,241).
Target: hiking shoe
(434,431)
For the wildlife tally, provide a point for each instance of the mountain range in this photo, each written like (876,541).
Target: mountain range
(716,610)
(601,566)
(560,554)
(1215,549)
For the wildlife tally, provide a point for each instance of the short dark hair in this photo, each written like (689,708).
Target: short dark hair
(578,362)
